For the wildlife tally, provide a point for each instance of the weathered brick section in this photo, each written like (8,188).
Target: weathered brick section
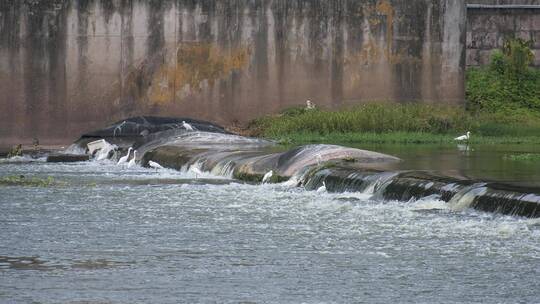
(487,28)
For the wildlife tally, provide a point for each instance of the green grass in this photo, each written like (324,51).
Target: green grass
(397,138)
(378,118)
(397,123)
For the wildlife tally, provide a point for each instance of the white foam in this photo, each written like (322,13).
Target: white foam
(464,198)
(432,202)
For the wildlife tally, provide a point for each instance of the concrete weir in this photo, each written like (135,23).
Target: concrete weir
(210,148)
(351,170)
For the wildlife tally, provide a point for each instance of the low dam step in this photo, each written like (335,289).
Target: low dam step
(414,185)
(205,147)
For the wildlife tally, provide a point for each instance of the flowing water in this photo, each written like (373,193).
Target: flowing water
(106,234)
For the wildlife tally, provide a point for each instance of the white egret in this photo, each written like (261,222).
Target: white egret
(155,165)
(310,105)
(322,188)
(124,159)
(195,170)
(463,137)
(132,161)
(187,126)
(118,128)
(267,177)
(319,159)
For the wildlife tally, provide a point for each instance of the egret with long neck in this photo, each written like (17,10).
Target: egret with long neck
(187,126)
(132,161)
(465,137)
(125,158)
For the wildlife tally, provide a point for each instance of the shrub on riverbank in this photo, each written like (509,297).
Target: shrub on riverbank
(393,123)
(378,118)
(508,86)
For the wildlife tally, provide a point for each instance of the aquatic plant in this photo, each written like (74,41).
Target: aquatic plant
(523,157)
(21,180)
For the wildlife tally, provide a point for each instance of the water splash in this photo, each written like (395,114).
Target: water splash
(466,196)
(75,149)
(105,151)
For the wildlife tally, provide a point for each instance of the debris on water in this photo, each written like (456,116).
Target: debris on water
(95,145)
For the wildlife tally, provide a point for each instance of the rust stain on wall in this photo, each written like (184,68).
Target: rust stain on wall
(196,64)
(385,8)
(380,19)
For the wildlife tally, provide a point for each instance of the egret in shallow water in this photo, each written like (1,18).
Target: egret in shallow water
(132,161)
(465,137)
(187,126)
(124,159)
(267,177)
(155,165)
(322,188)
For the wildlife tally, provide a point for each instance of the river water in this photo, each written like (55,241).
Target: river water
(105,234)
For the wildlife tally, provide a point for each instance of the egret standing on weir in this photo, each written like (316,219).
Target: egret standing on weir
(322,188)
(132,161)
(124,159)
(195,170)
(267,177)
(187,126)
(155,165)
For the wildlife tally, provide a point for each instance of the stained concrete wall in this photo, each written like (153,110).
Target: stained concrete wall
(70,66)
(487,28)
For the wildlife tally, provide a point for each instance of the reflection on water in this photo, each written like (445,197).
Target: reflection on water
(35,263)
(479,162)
(137,235)
(22,263)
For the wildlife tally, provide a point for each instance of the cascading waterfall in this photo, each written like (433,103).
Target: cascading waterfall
(340,169)
(464,198)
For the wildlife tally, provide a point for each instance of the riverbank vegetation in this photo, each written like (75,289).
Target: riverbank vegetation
(503,106)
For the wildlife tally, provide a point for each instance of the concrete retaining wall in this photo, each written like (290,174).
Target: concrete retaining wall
(70,66)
